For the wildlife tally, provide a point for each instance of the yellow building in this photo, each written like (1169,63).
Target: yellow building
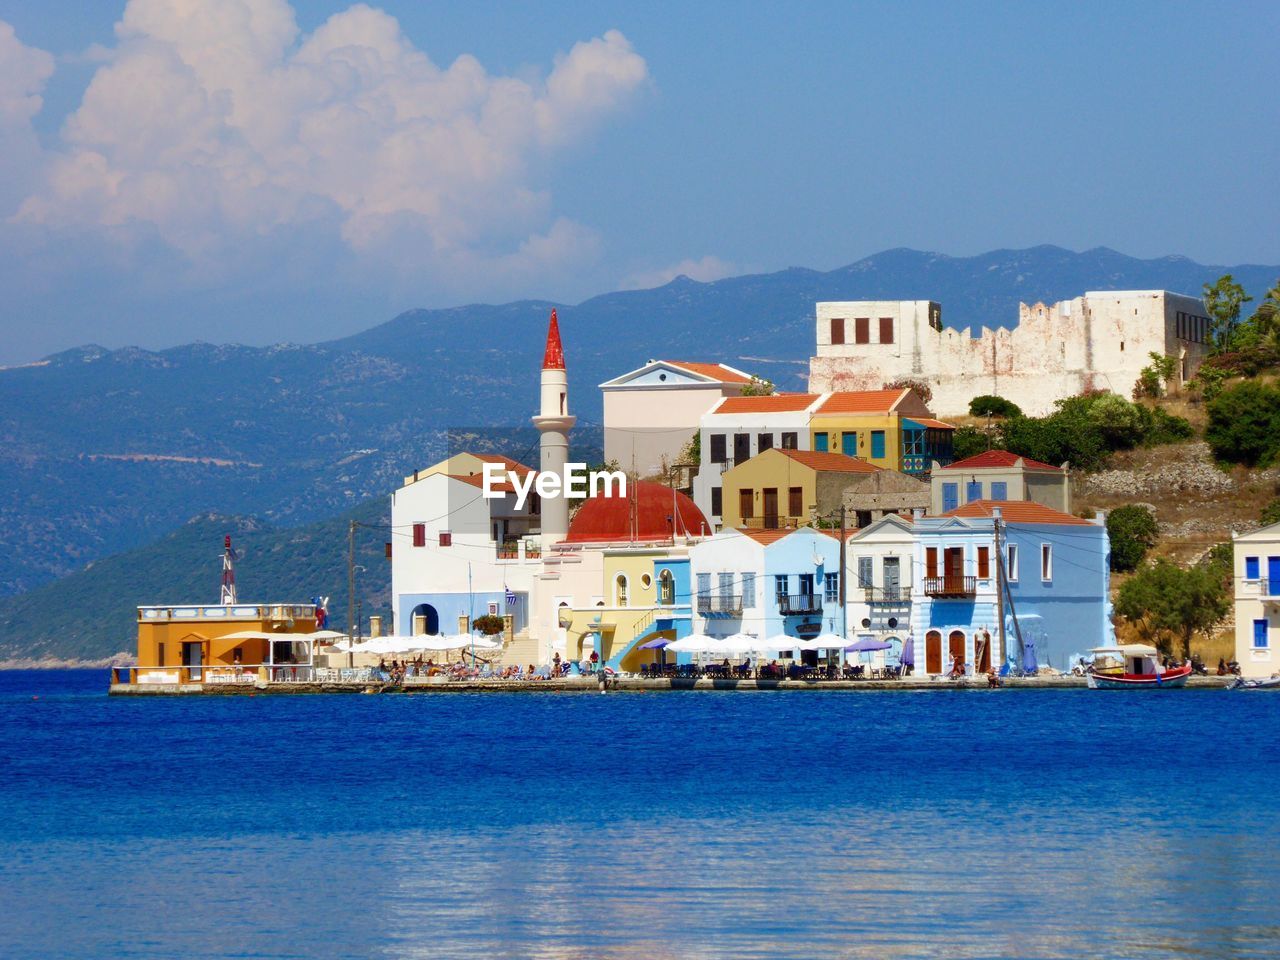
(787,488)
(893,429)
(196,643)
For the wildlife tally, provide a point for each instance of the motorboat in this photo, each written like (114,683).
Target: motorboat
(1254,683)
(1131,666)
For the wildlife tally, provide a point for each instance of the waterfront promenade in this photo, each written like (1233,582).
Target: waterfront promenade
(591,683)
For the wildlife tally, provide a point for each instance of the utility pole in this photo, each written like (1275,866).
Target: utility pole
(351,593)
(1000,591)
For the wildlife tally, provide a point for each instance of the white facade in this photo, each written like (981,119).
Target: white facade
(751,425)
(1256,576)
(1098,341)
(650,414)
(445,560)
(730,564)
(878,578)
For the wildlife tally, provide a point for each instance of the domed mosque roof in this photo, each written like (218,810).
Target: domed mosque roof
(645,514)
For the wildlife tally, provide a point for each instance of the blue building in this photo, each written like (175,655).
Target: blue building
(1059,582)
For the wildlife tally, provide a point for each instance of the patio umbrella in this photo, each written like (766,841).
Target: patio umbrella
(908,656)
(824,641)
(656,644)
(867,645)
(694,643)
(326,635)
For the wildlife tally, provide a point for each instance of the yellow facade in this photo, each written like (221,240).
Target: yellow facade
(772,478)
(191,643)
(629,610)
(838,432)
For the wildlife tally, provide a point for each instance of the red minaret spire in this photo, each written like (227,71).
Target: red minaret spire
(553,359)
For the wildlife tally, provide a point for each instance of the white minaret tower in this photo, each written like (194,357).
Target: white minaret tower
(554,423)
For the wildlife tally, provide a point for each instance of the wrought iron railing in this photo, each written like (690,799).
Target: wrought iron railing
(727,605)
(876,595)
(799,603)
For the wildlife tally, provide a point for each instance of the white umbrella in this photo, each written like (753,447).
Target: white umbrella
(779,641)
(824,641)
(326,635)
(694,643)
(741,643)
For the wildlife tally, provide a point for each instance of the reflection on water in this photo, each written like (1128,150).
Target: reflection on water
(953,826)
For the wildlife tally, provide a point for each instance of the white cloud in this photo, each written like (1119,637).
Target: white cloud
(704,270)
(214,124)
(23,73)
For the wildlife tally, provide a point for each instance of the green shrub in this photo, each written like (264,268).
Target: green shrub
(490,624)
(1244,424)
(1133,532)
(1271,512)
(988,405)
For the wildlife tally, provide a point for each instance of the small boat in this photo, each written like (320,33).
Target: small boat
(1132,666)
(1254,683)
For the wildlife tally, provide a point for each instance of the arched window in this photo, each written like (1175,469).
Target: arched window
(620,590)
(666,588)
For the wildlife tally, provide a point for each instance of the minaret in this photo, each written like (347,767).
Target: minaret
(554,423)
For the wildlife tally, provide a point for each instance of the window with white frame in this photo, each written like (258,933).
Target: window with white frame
(831,587)
(864,572)
(748,590)
(780,585)
(620,590)
(1011,562)
(1046,561)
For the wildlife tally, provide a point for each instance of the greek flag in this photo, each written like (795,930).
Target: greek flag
(511,598)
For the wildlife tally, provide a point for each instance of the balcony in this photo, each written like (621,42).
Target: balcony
(888,596)
(729,605)
(773,522)
(952,586)
(799,604)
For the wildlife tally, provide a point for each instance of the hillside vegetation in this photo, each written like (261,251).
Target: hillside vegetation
(92,614)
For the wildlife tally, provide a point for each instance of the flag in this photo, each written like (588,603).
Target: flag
(511,598)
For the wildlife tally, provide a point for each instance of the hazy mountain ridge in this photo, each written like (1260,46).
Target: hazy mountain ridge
(333,423)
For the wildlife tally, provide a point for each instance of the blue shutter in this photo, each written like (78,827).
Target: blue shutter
(1260,633)
(973,491)
(849,444)
(1251,568)
(877,444)
(1273,576)
(950,496)
(820,442)
(999,490)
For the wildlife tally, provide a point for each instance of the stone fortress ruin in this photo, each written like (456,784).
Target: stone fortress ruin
(1098,341)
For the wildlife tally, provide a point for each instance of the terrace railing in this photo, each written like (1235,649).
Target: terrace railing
(726,605)
(799,603)
(952,586)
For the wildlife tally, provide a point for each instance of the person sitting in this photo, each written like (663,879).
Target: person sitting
(957,668)
(1222,667)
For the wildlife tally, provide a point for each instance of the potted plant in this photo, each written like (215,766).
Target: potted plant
(490,624)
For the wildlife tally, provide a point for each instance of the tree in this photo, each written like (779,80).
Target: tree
(1244,424)
(919,386)
(691,452)
(1133,531)
(758,388)
(968,442)
(1117,420)
(988,405)
(1155,378)
(1175,600)
(1223,300)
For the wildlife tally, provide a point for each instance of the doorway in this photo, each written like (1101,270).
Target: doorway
(982,653)
(425,620)
(192,658)
(933,652)
(770,507)
(953,568)
(955,647)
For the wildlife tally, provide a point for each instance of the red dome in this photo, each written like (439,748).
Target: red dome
(644,514)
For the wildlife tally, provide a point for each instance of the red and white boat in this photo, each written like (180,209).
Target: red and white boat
(1133,666)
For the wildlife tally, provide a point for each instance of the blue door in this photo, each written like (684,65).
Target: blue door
(999,490)
(877,444)
(849,444)
(950,496)
(1273,575)
(973,491)
(820,442)
(1260,633)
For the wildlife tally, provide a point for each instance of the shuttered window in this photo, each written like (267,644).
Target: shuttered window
(862,330)
(886,329)
(795,501)
(419,534)
(837,330)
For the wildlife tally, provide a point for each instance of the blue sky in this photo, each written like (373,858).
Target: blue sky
(307,170)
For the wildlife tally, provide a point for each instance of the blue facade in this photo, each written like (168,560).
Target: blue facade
(443,609)
(1059,582)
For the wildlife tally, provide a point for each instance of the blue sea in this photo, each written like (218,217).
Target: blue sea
(637,825)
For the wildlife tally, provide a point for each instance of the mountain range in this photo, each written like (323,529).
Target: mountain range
(108,450)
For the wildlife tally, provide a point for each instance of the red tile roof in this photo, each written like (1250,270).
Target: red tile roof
(716,371)
(861,401)
(829,462)
(1018,511)
(998,458)
(774,403)
(935,424)
(767,537)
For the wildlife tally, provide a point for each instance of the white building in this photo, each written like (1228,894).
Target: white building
(651,413)
(456,554)
(739,428)
(1257,600)
(1098,341)
(879,575)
